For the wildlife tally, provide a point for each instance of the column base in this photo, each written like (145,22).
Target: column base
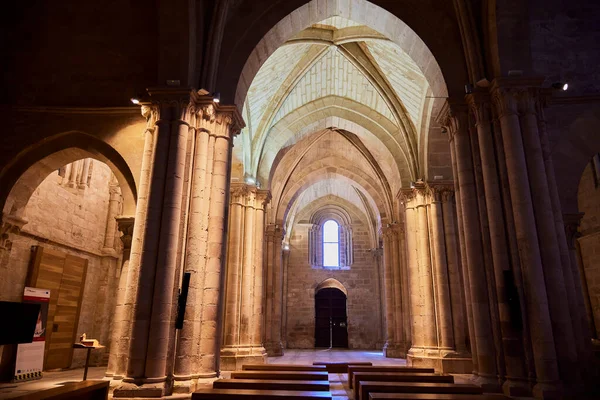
(232,358)
(516,387)
(553,390)
(141,388)
(191,383)
(274,349)
(442,360)
(394,350)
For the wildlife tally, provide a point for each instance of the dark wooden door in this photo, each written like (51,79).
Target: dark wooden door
(331,321)
(64,275)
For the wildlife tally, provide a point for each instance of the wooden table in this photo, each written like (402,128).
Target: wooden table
(87,358)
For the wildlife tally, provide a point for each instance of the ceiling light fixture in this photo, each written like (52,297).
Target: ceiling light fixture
(561,86)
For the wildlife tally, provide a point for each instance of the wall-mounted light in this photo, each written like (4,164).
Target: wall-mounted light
(286,246)
(250,180)
(135,101)
(468,88)
(561,86)
(217,97)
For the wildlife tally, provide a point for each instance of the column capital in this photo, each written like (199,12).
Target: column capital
(249,195)
(572,222)
(508,94)
(479,106)
(454,117)
(11,225)
(274,231)
(440,191)
(125,226)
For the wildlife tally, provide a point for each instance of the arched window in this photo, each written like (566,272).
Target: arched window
(331,244)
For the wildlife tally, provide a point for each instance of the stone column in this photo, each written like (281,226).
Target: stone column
(516,375)
(538,312)
(377,255)
(285,260)
(572,222)
(440,272)
(243,313)
(555,278)
(454,274)
(273,342)
(390,349)
(457,124)
(119,345)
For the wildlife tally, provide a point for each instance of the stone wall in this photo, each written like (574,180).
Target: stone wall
(589,242)
(72,220)
(361,281)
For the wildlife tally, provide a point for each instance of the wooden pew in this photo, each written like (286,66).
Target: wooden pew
(84,390)
(433,396)
(282,367)
(367,387)
(248,394)
(271,384)
(340,367)
(384,368)
(377,376)
(282,375)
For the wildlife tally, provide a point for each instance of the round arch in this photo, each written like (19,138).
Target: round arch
(29,168)
(331,283)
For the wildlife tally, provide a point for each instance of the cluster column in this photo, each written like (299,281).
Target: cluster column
(243,329)
(187,150)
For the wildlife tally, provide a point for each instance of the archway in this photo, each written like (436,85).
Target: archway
(331,319)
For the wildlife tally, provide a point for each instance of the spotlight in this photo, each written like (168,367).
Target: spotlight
(135,101)
(561,86)
(468,88)
(217,97)
(250,180)
(286,246)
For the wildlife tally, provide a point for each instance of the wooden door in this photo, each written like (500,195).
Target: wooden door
(331,320)
(64,275)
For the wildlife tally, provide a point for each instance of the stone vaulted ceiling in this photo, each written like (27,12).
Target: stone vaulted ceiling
(336,74)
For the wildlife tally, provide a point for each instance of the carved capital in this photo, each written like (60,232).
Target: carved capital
(506,101)
(528,101)
(454,118)
(407,196)
(572,222)
(479,106)
(11,225)
(125,226)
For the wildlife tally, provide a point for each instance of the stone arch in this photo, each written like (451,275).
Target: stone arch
(29,168)
(331,283)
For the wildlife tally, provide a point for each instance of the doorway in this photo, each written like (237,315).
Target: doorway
(331,320)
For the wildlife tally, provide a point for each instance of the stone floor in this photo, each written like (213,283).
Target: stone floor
(338,382)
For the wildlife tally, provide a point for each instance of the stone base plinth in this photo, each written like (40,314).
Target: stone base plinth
(443,361)
(274,349)
(548,391)
(232,358)
(189,384)
(394,350)
(140,388)
(516,388)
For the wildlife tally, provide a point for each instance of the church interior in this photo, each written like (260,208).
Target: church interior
(207,185)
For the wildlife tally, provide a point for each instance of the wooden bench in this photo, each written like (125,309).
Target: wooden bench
(340,367)
(248,394)
(367,387)
(282,367)
(377,376)
(264,384)
(384,368)
(282,375)
(433,396)
(84,390)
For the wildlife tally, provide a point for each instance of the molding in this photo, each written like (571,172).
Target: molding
(129,110)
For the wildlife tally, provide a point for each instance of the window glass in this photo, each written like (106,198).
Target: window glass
(331,244)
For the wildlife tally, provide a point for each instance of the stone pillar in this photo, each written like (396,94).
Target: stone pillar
(119,343)
(555,277)
(457,124)
(538,312)
(154,261)
(82,180)
(243,342)
(454,273)
(572,222)
(443,304)
(285,259)
(391,348)
(516,374)
(377,255)
(274,297)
